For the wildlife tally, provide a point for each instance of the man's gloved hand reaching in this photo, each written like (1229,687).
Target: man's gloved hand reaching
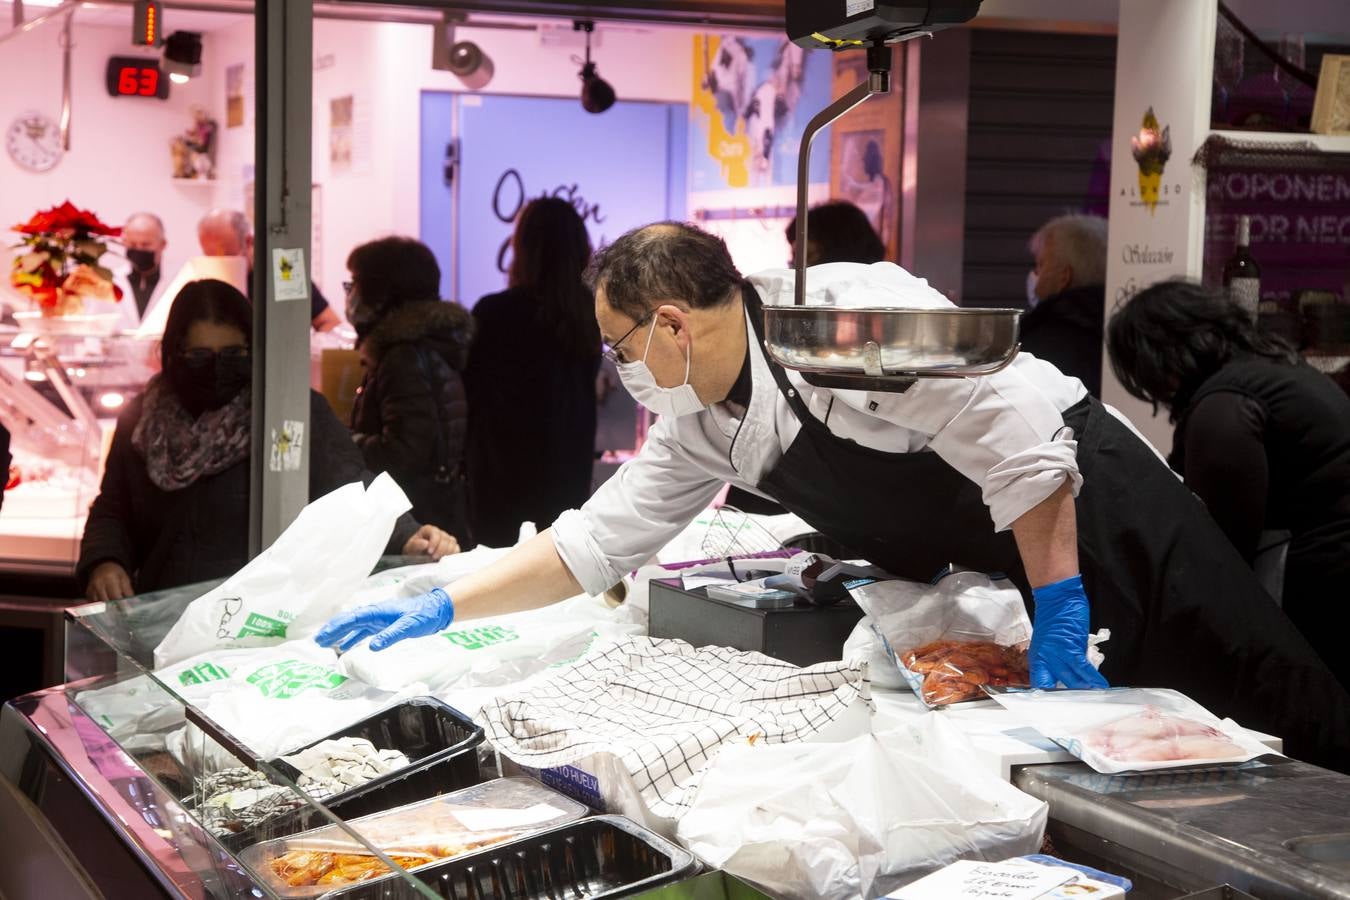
(390,621)
(1059,638)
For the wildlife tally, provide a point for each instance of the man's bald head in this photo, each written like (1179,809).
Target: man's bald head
(667,262)
(225,232)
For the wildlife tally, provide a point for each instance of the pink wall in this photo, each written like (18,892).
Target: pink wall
(119,157)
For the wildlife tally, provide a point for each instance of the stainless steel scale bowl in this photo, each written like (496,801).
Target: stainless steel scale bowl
(879,348)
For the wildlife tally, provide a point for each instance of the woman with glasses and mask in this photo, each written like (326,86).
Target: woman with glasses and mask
(173,507)
(531,380)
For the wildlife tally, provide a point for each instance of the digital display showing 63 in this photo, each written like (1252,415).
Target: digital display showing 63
(136,76)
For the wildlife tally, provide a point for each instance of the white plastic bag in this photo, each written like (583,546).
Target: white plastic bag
(856,819)
(865,645)
(274,699)
(964,608)
(1133,729)
(294,586)
(495,651)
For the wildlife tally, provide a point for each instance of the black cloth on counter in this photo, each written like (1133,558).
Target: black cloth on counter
(169,538)
(1066,331)
(1266,446)
(411,413)
(532,420)
(1184,610)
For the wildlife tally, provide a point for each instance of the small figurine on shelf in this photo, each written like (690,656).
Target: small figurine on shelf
(194,152)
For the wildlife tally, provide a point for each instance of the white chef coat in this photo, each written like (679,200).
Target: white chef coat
(1003,431)
(126,307)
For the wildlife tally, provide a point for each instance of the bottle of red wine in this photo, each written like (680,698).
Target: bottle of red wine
(1241,274)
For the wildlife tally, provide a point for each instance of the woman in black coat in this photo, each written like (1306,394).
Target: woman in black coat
(410,414)
(532,380)
(173,506)
(1261,437)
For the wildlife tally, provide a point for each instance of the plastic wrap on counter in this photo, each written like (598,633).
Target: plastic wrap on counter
(326,859)
(1132,729)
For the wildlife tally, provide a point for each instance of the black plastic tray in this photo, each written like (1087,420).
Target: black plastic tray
(440,742)
(600,857)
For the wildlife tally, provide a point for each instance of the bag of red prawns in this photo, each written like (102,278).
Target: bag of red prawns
(1133,729)
(953,636)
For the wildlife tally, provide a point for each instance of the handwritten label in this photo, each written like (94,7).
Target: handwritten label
(965,880)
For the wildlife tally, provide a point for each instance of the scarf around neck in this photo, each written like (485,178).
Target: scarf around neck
(179,449)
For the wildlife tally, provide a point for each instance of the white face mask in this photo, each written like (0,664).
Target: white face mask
(641,383)
(1032,299)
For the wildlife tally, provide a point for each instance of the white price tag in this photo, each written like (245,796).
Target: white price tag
(289,281)
(853,7)
(506,819)
(965,880)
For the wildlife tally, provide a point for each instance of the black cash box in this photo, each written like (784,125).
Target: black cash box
(802,635)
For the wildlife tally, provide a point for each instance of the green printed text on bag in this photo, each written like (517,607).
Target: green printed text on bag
(288,678)
(258,625)
(202,673)
(478,638)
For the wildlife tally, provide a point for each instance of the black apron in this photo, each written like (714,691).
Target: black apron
(1185,611)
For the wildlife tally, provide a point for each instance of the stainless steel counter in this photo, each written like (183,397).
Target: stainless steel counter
(1275,828)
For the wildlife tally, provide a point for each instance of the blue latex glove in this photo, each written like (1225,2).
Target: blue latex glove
(390,621)
(1059,639)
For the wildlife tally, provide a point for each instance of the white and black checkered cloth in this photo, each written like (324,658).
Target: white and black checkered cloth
(663,708)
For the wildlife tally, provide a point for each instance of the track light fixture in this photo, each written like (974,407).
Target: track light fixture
(597,95)
(464,59)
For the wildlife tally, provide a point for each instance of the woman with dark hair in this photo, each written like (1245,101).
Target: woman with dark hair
(410,414)
(173,507)
(532,380)
(837,231)
(1261,437)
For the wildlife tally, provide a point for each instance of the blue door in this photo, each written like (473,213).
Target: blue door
(623,168)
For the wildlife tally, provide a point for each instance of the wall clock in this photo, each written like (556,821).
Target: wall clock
(34,142)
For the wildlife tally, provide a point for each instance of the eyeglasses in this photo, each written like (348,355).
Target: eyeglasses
(612,354)
(202,356)
(347,287)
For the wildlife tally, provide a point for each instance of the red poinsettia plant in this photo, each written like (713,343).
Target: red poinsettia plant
(58,263)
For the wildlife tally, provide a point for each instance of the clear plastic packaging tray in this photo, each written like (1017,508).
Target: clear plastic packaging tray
(430,831)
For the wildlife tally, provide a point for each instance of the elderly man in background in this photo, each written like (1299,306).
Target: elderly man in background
(142,282)
(1066,297)
(226,232)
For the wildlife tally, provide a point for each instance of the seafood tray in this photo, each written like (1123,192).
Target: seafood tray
(325,859)
(601,857)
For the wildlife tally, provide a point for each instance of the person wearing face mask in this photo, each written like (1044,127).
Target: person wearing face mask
(1019,472)
(142,280)
(410,415)
(173,505)
(1066,297)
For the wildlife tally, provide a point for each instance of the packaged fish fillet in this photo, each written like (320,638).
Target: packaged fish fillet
(1132,729)
(313,863)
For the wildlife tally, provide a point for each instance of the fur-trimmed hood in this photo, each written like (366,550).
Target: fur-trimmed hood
(446,327)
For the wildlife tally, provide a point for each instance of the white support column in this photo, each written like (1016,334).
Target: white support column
(1164,62)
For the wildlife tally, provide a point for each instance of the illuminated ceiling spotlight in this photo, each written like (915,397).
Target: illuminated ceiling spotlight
(183,56)
(464,59)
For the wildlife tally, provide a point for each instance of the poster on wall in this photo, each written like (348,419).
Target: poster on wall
(234,96)
(340,134)
(752,98)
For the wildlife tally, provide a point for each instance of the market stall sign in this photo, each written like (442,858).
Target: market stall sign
(136,76)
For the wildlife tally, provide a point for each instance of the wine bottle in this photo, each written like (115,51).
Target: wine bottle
(1241,274)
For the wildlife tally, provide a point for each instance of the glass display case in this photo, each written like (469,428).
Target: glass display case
(60,395)
(130,774)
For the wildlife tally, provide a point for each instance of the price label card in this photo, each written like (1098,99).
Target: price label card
(965,880)
(506,819)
